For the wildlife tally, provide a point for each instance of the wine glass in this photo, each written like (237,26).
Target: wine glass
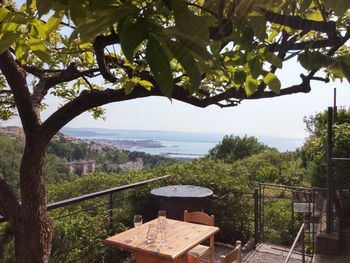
(161,214)
(162,225)
(137,224)
(151,233)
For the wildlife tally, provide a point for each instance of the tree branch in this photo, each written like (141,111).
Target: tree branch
(99,45)
(47,82)
(297,22)
(88,100)
(275,47)
(16,79)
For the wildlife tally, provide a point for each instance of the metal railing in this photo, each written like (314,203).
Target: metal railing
(88,207)
(301,234)
(304,205)
(89,196)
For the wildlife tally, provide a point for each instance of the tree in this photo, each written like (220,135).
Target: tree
(203,53)
(233,148)
(314,150)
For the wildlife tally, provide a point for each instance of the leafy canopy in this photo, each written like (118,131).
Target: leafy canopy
(314,150)
(233,148)
(200,52)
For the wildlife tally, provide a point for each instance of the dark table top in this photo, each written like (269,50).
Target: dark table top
(183,191)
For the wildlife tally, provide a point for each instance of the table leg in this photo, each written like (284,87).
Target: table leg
(143,258)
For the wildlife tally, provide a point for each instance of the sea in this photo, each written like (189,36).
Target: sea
(174,143)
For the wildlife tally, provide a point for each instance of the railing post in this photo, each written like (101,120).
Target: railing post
(110,212)
(303,245)
(256,216)
(329,208)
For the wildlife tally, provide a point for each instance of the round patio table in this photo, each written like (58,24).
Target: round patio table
(177,198)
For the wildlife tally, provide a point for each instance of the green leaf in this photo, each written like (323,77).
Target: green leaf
(6,40)
(54,21)
(89,57)
(315,15)
(251,85)
(78,10)
(9,27)
(273,82)
(43,6)
(255,66)
(239,76)
(189,23)
(258,24)
(339,6)
(273,59)
(197,46)
(160,65)
(305,4)
(146,84)
(185,58)
(132,33)
(3,13)
(39,49)
(128,87)
(336,71)
(38,29)
(314,60)
(93,27)
(345,67)
(43,56)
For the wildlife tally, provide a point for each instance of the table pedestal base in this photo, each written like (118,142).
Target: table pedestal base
(175,206)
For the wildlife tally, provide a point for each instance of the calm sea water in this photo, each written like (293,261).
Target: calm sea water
(180,144)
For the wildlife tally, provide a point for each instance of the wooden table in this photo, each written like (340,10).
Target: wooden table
(180,238)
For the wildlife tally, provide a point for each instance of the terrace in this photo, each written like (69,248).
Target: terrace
(82,223)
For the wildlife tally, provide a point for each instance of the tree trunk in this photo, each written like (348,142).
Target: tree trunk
(33,235)
(33,229)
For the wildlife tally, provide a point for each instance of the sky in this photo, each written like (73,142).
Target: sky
(276,117)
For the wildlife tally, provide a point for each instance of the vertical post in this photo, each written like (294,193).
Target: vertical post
(110,212)
(262,214)
(256,216)
(329,208)
(335,106)
(303,244)
(311,216)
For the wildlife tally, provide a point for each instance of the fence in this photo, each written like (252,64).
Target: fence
(282,209)
(81,223)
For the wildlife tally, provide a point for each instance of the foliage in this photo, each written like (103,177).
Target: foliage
(69,151)
(272,167)
(79,228)
(233,148)
(279,227)
(150,161)
(55,169)
(10,156)
(315,147)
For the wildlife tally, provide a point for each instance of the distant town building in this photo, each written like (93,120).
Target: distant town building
(82,167)
(56,138)
(13,131)
(136,165)
(96,147)
(70,139)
